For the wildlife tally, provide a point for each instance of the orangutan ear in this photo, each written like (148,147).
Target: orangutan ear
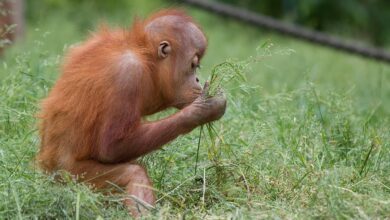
(164,49)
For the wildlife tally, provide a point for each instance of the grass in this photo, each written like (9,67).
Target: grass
(221,74)
(306,136)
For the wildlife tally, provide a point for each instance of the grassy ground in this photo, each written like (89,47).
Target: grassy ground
(307,136)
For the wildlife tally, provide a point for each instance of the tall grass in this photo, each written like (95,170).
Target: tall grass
(221,73)
(229,73)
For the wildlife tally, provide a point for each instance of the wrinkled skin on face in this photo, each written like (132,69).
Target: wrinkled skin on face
(181,57)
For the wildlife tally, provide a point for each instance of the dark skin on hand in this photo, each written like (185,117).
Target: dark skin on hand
(91,121)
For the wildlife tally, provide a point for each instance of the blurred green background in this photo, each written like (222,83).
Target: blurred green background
(364,20)
(359,19)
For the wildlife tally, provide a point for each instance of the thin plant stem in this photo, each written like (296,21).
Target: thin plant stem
(197,151)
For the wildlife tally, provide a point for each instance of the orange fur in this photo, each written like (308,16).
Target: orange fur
(91,121)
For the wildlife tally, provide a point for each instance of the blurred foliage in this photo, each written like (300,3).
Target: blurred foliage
(79,11)
(85,13)
(367,19)
(363,19)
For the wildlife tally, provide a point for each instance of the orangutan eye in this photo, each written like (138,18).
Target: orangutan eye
(195,62)
(193,66)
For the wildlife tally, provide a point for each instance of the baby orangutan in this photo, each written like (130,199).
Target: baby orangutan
(91,121)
